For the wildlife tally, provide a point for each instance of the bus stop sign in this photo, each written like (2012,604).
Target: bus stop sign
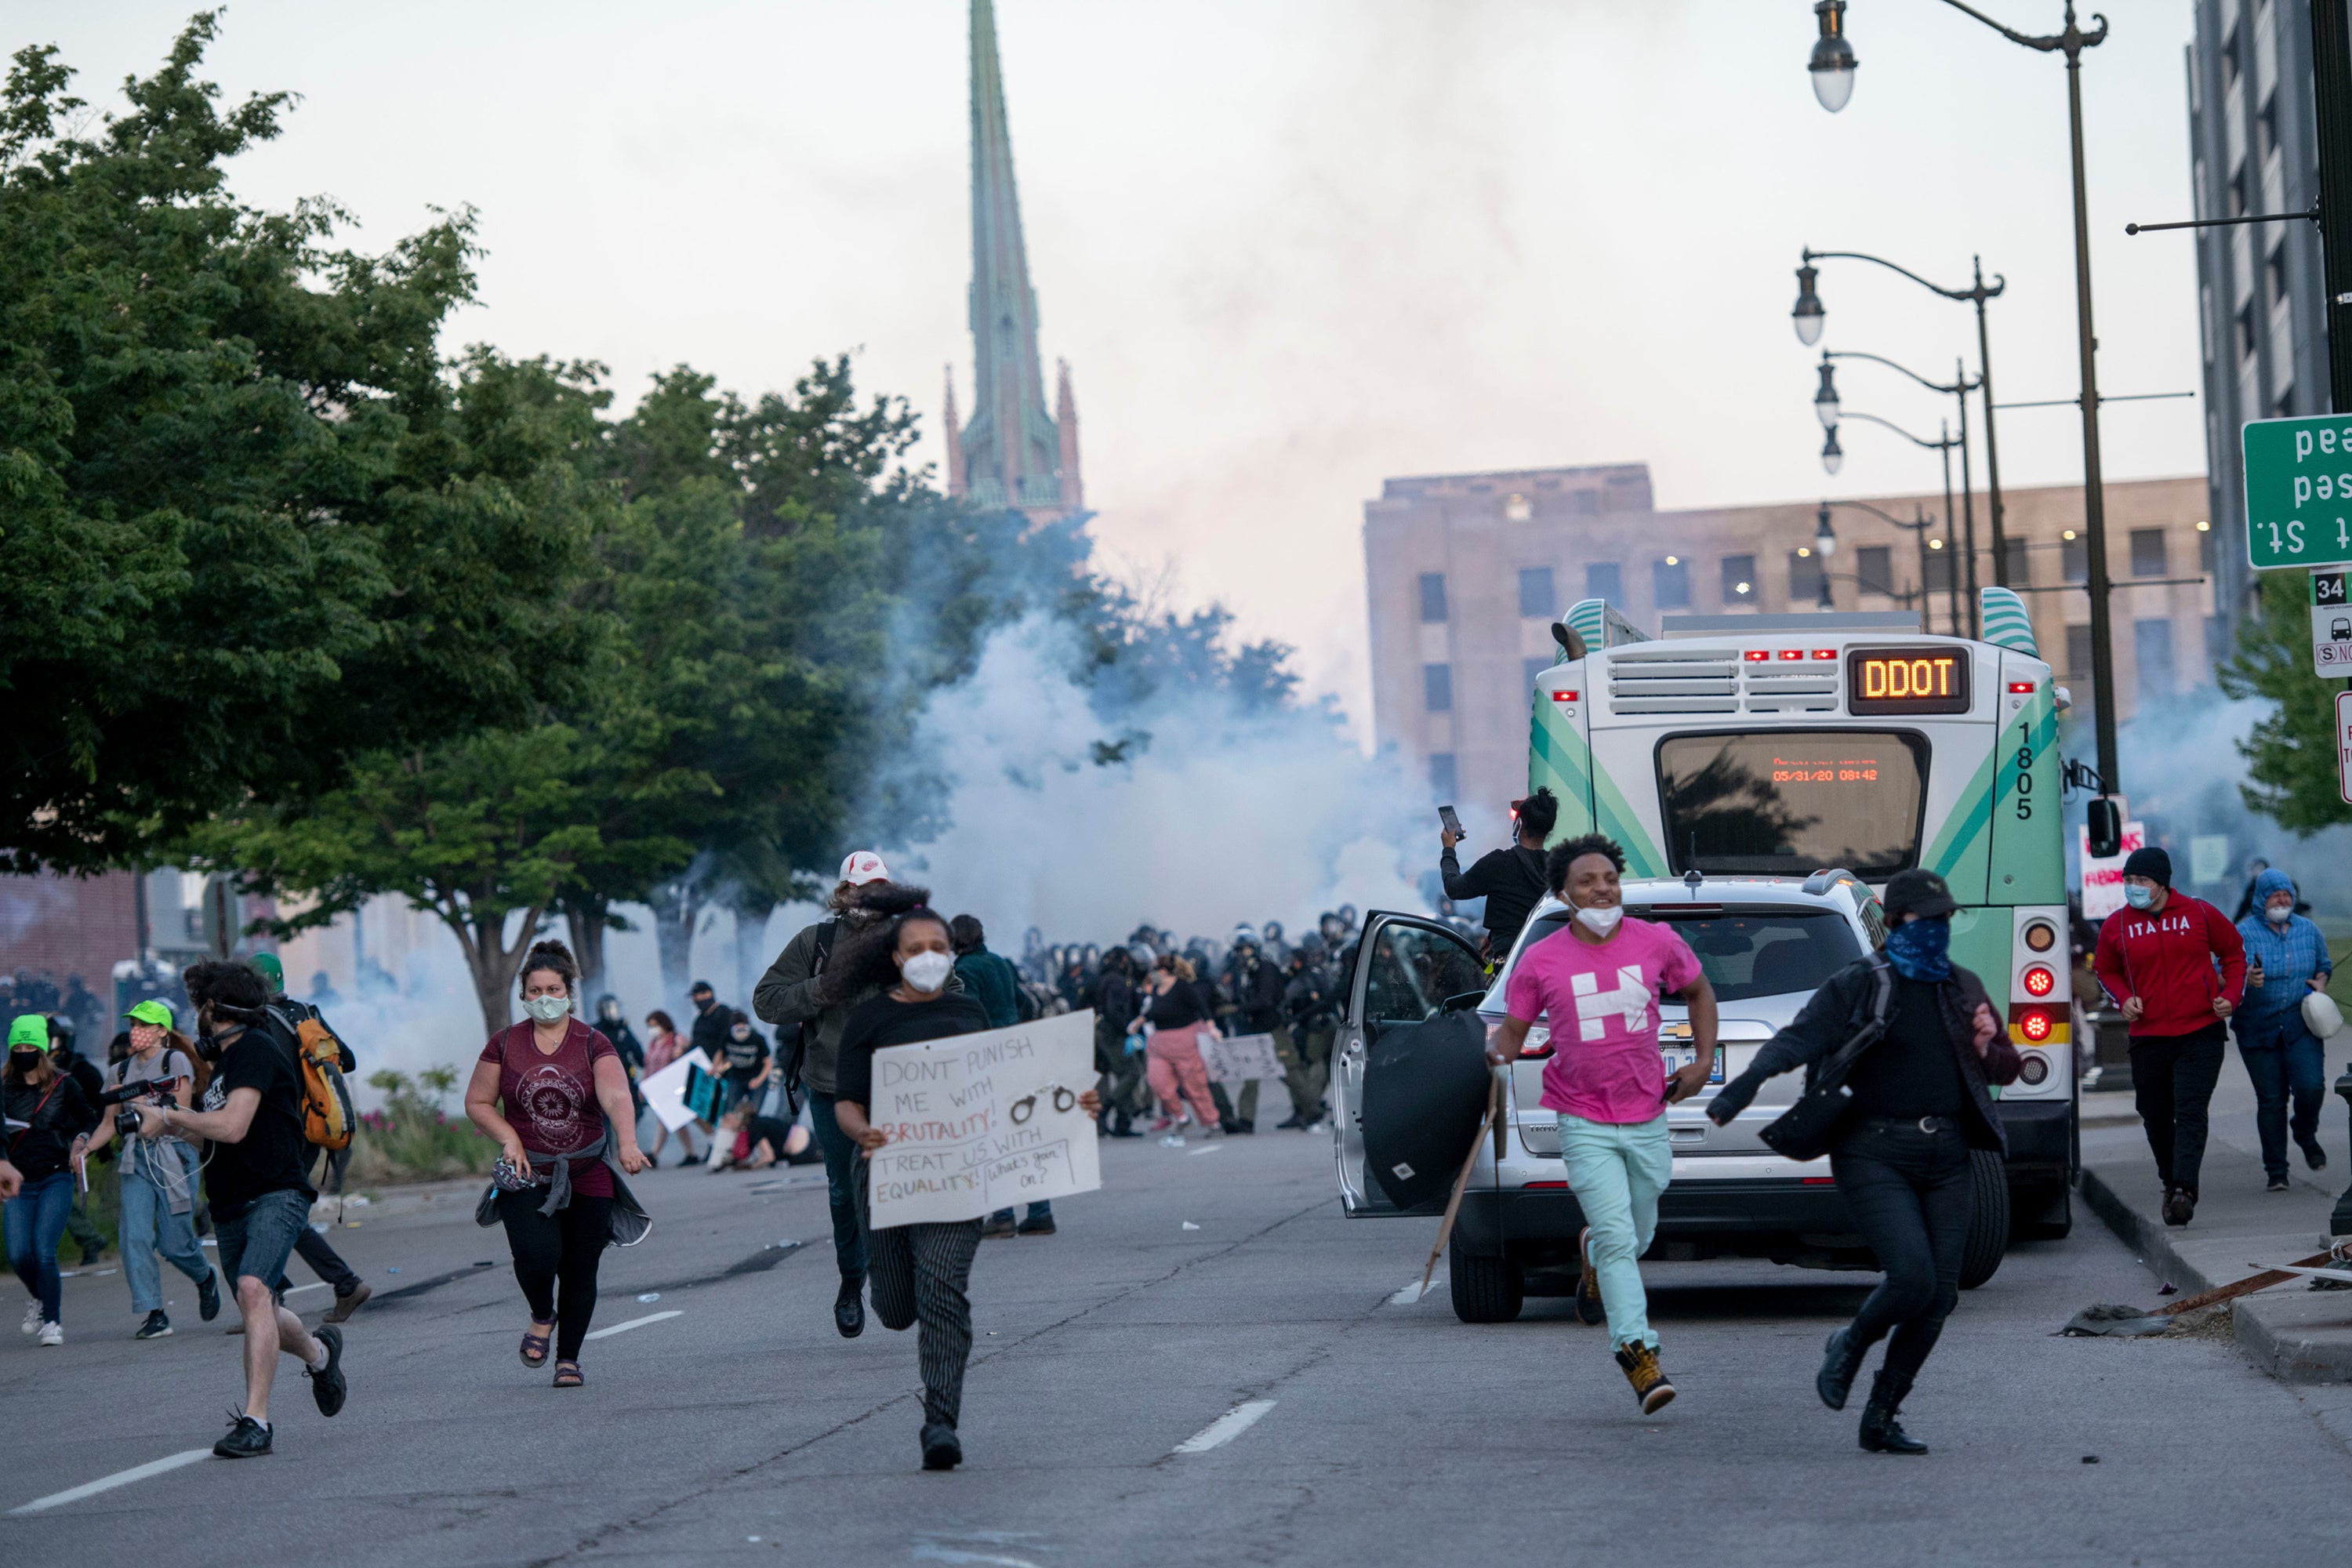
(2331,623)
(2344,745)
(2298,491)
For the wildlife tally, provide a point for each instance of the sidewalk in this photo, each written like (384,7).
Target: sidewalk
(2296,1333)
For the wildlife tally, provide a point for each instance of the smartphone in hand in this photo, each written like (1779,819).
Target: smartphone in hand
(1448,821)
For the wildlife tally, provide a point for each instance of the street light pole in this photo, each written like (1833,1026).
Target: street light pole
(1918,531)
(1952,577)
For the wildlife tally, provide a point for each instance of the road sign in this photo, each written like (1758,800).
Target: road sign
(2344,745)
(2298,491)
(2331,623)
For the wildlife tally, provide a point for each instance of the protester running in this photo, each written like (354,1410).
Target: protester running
(351,1291)
(1607,1083)
(920,1272)
(158,1175)
(1900,1152)
(49,1124)
(552,1094)
(1512,880)
(2286,960)
(2177,970)
(1171,1049)
(254,1179)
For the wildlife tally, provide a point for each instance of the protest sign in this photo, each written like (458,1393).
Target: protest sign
(664,1091)
(977,1121)
(1240,1059)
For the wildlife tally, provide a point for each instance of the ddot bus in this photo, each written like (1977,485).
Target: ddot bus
(1765,776)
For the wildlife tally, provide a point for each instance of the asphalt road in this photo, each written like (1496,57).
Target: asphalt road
(745,1429)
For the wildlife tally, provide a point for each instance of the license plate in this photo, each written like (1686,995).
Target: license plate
(1680,1057)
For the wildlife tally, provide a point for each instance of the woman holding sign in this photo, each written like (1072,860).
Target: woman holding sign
(919,1273)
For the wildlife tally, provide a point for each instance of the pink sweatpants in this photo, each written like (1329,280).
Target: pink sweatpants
(1172,1063)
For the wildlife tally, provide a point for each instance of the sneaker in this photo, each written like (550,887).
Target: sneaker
(1040,1225)
(998,1228)
(1173,1141)
(340,1312)
(247,1439)
(940,1450)
(155,1328)
(1318,1126)
(208,1297)
(1650,1389)
(32,1323)
(2278,1185)
(2313,1155)
(54,1333)
(1589,1309)
(327,1382)
(1290,1123)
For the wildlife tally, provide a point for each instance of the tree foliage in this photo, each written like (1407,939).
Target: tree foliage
(2291,762)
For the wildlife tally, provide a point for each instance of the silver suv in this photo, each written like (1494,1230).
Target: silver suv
(1410,1085)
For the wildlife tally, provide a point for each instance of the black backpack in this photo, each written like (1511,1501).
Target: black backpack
(807,1031)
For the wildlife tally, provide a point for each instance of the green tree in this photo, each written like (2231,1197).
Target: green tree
(2290,764)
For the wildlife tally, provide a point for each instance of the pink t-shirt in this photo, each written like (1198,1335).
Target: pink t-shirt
(1600,1000)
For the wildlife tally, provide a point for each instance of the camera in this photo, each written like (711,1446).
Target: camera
(126,1122)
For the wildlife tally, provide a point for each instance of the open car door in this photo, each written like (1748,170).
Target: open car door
(1409,1078)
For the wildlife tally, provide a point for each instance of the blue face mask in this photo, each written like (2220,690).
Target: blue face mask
(1921,950)
(2137,896)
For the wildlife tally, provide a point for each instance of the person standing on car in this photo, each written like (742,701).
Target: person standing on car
(2177,970)
(1512,880)
(1596,982)
(1900,1154)
(2286,960)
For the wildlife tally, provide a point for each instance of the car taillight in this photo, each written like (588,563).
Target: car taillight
(1536,1045)
(2040,982)
(2034,1023)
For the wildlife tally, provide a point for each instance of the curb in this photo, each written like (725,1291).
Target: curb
(2268,1331)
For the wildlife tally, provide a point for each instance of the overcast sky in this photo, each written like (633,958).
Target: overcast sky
(1290,247)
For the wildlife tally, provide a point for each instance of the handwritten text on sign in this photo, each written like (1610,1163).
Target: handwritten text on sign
(979,1121)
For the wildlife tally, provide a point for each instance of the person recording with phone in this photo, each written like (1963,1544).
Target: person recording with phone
(158,1174)
(1511,880)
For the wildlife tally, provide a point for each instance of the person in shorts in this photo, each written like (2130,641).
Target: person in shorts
(260,1198)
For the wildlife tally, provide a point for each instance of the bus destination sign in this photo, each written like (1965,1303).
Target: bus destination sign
(1906,680)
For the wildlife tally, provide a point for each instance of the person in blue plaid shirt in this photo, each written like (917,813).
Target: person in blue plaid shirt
(2286,959)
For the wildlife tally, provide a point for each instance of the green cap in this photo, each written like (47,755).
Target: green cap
(29,1033)
(265,964)
(151,1012)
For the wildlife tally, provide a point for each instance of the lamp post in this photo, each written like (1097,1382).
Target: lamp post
(1958,389)
(2070,42)
(1825,544)
(1952,579)
(1832,63)
(1917,529)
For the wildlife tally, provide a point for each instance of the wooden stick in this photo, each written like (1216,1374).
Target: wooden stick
(1461,1182)
(2246,1287)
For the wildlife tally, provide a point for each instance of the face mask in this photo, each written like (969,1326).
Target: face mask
(1921,950)
(2139,897)
(2279,914)
(742,1034)
(547,1009)
(926,971)
(1599,922)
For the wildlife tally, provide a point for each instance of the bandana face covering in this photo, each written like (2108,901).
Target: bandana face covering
(1921,950)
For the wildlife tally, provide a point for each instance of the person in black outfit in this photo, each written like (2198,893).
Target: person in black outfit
(1511,880)
(918,1272)
(615,1028)
(48,1128)
(1121,1069)
(1900,1154)
(351,1291)
(66,1052)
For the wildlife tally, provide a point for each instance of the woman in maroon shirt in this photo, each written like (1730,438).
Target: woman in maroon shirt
(554,1096)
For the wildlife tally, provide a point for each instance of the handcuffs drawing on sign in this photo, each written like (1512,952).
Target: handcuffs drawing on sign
(1027,1106)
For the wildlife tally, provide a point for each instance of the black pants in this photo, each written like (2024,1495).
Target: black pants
(324,1260)
(1909,1193)
(844,1178)
(555,1260)
(2172,1085)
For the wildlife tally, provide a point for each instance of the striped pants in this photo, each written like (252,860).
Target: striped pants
(919,1273)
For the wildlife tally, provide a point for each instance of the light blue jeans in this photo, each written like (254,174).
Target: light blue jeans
(150,1226)
(1617,1171)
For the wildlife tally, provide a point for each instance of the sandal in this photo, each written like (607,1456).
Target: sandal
(567,1374)
(534,1347)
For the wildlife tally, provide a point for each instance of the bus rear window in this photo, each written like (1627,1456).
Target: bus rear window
(1788,802)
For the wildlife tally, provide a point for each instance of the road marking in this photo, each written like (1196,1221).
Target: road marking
(1412,1291)
(1226,1427)
(107,1483)
(635,1324)
(1211,1148)
(298,1290)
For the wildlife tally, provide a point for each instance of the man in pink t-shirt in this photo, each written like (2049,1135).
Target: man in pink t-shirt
(1596,984)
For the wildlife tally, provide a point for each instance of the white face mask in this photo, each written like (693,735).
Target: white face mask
(2279,914)
(926,971)
(547,1009)
(1600,920)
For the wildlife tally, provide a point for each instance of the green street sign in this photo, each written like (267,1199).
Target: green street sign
(2299,491)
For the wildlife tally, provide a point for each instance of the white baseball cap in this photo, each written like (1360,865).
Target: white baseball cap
(863,867)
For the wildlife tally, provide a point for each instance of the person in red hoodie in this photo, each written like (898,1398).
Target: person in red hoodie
(2178,968)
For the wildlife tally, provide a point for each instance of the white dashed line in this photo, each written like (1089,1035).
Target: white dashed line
(1211,1148)
(634,1323)
(107,1483)
(1226,1427)
(298,1290)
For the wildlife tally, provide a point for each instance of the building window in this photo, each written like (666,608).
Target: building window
(1670,584)
(1739,579)
(2078,653)
(2020,567)
(2152,645)
(1584,504)
(1437,688)
(2274,277)
(2147,552)
(2241,337)
(1804,577)
(1874,569)
(1535,593)
(1939,571)
(1441,775)
(2075,557)
(1605,579)
(1432,596)
(1531,670)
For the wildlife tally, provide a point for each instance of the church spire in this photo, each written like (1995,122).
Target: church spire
(1065,420)
(1011,450)
(954,435)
